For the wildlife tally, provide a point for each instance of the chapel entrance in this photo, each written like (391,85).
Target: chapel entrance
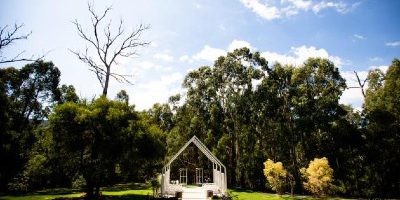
(196,178)
(202,170)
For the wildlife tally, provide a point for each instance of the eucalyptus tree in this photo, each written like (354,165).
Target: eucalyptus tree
(297,107)
(383,132)
(25,95)
(221,99)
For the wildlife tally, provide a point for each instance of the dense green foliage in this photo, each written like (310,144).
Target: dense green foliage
(51,138)
(25,95)
(245,111)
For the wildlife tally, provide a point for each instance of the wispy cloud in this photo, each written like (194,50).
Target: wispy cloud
(375,59)
(340,6)
(164,57)
(393,44)
(271,10)
(359,37)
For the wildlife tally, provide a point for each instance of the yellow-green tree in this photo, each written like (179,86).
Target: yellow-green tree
(319,177)
(276,175)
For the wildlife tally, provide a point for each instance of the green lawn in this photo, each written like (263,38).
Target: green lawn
(123,191)
(40,196)
(250,195)
(140,192)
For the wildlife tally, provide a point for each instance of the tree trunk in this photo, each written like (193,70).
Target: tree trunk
(89,191)
(97,192)
(106,82)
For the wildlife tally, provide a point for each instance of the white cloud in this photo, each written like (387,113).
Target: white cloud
(264,10)
(209,54)
(147,65)
(338,6)
(157,91)
(186,58)
(353,96)
(393,44)
(360,37)
(164,57)
(383,68)
(351,78)
(297,56)
(271,10)
(237,44)
(301,4)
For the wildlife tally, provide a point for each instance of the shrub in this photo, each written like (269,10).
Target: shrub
(19,184)
(319,177)
(276,175)
(78,182)
(155,184)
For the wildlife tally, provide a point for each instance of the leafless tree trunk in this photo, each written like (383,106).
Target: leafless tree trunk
(9,35)
(107,47)
(360,85)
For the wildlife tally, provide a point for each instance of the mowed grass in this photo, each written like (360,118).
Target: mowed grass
(41,196)
(133,191)
(126,194)
(141,191)
(250,195)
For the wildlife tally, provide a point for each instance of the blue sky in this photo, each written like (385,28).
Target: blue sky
(356,35)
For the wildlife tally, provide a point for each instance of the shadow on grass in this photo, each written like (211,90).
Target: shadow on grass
(128,186)
(56,191)
(119,197)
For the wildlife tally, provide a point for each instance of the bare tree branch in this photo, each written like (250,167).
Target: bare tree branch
(107,46)
(360,85)
(9,35)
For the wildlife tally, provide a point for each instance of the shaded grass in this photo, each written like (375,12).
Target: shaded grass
(41,196)
(138,191)
(133,191)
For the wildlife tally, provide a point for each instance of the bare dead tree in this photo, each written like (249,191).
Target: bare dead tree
(107,46)
(360,85)
(9,35)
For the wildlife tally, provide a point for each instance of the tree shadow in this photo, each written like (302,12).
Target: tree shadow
(56,191)
(120,197)
(129,186)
